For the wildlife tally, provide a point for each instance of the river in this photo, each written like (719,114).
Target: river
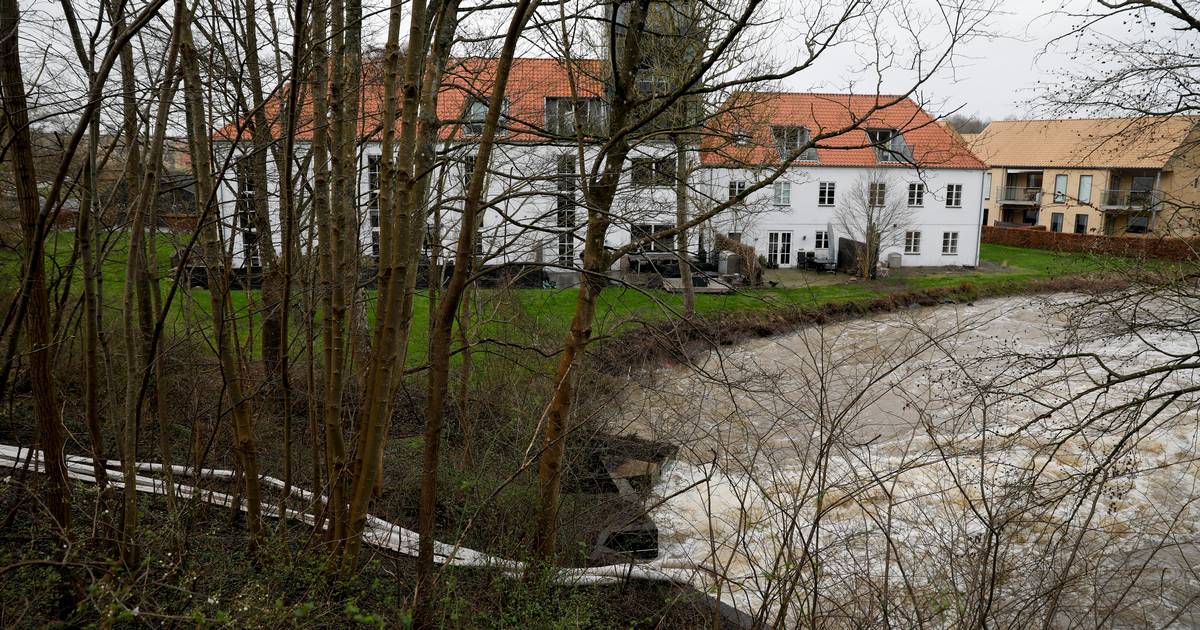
(947,465)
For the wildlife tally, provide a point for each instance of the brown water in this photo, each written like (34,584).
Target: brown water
(879,454)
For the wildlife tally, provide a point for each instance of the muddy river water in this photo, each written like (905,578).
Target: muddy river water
(1017,461)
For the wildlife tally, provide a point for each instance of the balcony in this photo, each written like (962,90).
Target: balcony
(1018,195)
(1129,200)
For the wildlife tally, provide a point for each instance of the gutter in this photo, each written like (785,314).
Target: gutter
(979,216)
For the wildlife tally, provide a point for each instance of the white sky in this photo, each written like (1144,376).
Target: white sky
(995,76)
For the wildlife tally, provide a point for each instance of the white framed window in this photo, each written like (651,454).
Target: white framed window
(373,170)
(949,243)
(916,195)
(473,117)
(244,215)
(647,82)
(827,194)
(1060,189)
(779,248)
(565,116)
(912,242)
(783,193)
(876,194)
(565,209)
(890,145)
(987,185)
(1056,221)
(954,195)
(1085,189)
(821,240)
(736,187)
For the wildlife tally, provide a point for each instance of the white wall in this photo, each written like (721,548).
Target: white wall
(520,213)
(803,217)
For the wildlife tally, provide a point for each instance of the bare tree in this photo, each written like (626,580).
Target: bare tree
(875,215)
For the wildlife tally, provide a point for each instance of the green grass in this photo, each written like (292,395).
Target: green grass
(549,312)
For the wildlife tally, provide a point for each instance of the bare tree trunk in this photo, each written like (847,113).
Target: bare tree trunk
(86,240)
(291,246)
(198,143)
(681,219)
(143,208)
(592,282)
(466,425)
(332,287)
(402,241)
(274,337)
(593,278)
(51,433)
(447,308)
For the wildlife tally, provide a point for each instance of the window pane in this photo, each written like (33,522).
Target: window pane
(1060,188)
(916,195)
(1085,189)
(954,196)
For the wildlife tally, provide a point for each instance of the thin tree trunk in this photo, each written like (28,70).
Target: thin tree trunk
(599,195)
(86,240)
(332,292)
(274,337)
(466,425)
(681,218)
(51,433)
(244,444)
(448,307)
(291,248)
(403,244)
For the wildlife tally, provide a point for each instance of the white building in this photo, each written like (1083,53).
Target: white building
(532,208)
(913,161)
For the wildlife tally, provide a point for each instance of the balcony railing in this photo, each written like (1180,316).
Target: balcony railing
(1129,199)
(1020,194)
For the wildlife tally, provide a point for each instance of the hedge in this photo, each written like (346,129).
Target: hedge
(1150,246)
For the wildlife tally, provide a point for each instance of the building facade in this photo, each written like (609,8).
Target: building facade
(1114,176)
(534,210)
(896,165)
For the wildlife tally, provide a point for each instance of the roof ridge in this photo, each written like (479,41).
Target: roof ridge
(1096,119)
(819,93)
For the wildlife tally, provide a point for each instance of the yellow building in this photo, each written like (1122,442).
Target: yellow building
(1093,176)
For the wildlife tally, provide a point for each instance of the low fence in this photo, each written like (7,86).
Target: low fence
(1161,247)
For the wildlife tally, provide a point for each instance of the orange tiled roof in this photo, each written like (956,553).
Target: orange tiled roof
(531,80)
(1083,142)
(754,113)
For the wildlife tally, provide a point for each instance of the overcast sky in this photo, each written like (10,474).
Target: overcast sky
(997,76)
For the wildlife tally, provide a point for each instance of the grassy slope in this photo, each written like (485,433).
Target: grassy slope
(619,306)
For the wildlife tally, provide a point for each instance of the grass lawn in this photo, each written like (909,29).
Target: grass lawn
(550,310)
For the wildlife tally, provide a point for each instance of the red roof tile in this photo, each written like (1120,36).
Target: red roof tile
(531,80)
(754,113)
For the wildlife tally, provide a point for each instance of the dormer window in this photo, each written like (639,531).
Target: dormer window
(565,116)
(740,137)
(890,145)
(789,140)
(475,114)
